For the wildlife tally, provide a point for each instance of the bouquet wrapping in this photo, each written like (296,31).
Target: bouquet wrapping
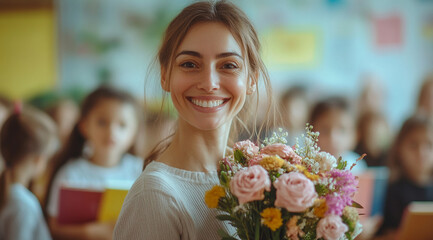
(281,192)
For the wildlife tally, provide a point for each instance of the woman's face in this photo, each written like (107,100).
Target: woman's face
(416,153)
(209,81)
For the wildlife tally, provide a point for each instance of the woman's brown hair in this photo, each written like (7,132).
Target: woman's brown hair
(25,133)
(243,31)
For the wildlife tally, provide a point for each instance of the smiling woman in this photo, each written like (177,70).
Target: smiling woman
(210,66)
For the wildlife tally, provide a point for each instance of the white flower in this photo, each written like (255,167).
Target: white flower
(326,161)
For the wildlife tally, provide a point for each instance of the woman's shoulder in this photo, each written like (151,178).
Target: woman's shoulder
(155,178)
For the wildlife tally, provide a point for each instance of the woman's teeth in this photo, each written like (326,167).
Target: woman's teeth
(207,104)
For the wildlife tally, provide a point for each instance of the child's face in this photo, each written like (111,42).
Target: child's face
(110,127)
(416,153)
(337,132)
(297,112)
(208,82)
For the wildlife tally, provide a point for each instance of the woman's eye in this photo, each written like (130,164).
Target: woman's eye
(229,66)
(188,65)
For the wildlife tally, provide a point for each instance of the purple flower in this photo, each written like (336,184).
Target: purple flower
(345,188)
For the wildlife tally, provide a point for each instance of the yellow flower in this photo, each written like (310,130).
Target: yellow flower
(212,196)
(312,177)
(272,163)
(320,208)
(300,167)
(271,217)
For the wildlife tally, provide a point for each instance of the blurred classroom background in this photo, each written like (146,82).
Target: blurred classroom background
(376,54)
(328,46)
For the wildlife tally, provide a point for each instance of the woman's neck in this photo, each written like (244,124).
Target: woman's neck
(193,149)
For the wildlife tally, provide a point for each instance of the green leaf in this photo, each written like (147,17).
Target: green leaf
(224,179)
(357,205)
(321,189)
(224,217)
(341,164)
(239,157)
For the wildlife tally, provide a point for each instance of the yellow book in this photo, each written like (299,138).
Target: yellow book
(417,222)
(111,204)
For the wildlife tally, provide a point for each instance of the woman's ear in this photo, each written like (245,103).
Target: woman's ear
(252,81)
(164,80)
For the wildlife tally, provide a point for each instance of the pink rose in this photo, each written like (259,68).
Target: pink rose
(295,192)
(248,148)
(249,184)
(283,151)
(331,227)
(256,159)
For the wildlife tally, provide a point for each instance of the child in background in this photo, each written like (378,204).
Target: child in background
(294,108)
(95,155)
(425,97)
(334,121)
(65,114)
(411,163)
(373,138)
(5,107)
(27,141)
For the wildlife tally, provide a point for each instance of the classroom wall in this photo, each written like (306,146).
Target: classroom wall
(327,45)
(28,61)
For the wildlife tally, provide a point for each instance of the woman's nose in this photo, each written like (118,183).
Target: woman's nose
(209,81)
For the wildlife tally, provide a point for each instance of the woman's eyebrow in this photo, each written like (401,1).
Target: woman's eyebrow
(228,54)
(220,55)
(191,53)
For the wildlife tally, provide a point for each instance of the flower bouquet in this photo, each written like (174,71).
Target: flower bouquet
(282,192)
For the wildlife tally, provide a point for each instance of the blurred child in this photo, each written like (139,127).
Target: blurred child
(95,155)
(65,114)
(333,119)
(373,138)
(411,162)
(5,106)
(27,141)
(425,98)
(373,95)
(294,108)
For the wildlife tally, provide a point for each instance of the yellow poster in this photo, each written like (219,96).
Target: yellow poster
(284,49)
(27,52)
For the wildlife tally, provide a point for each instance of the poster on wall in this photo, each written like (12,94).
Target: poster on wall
(284,49)
(388,31)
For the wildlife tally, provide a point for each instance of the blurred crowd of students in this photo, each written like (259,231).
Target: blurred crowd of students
(108,135)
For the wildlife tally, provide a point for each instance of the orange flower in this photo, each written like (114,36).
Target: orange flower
(212,197)
(272,163)
(271,217)
(320,208)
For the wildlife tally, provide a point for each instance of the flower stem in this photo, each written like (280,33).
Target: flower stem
(257,232)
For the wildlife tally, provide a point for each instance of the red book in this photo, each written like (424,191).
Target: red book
(78,205)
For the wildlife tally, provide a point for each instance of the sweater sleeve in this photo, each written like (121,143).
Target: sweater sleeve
(150,214)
